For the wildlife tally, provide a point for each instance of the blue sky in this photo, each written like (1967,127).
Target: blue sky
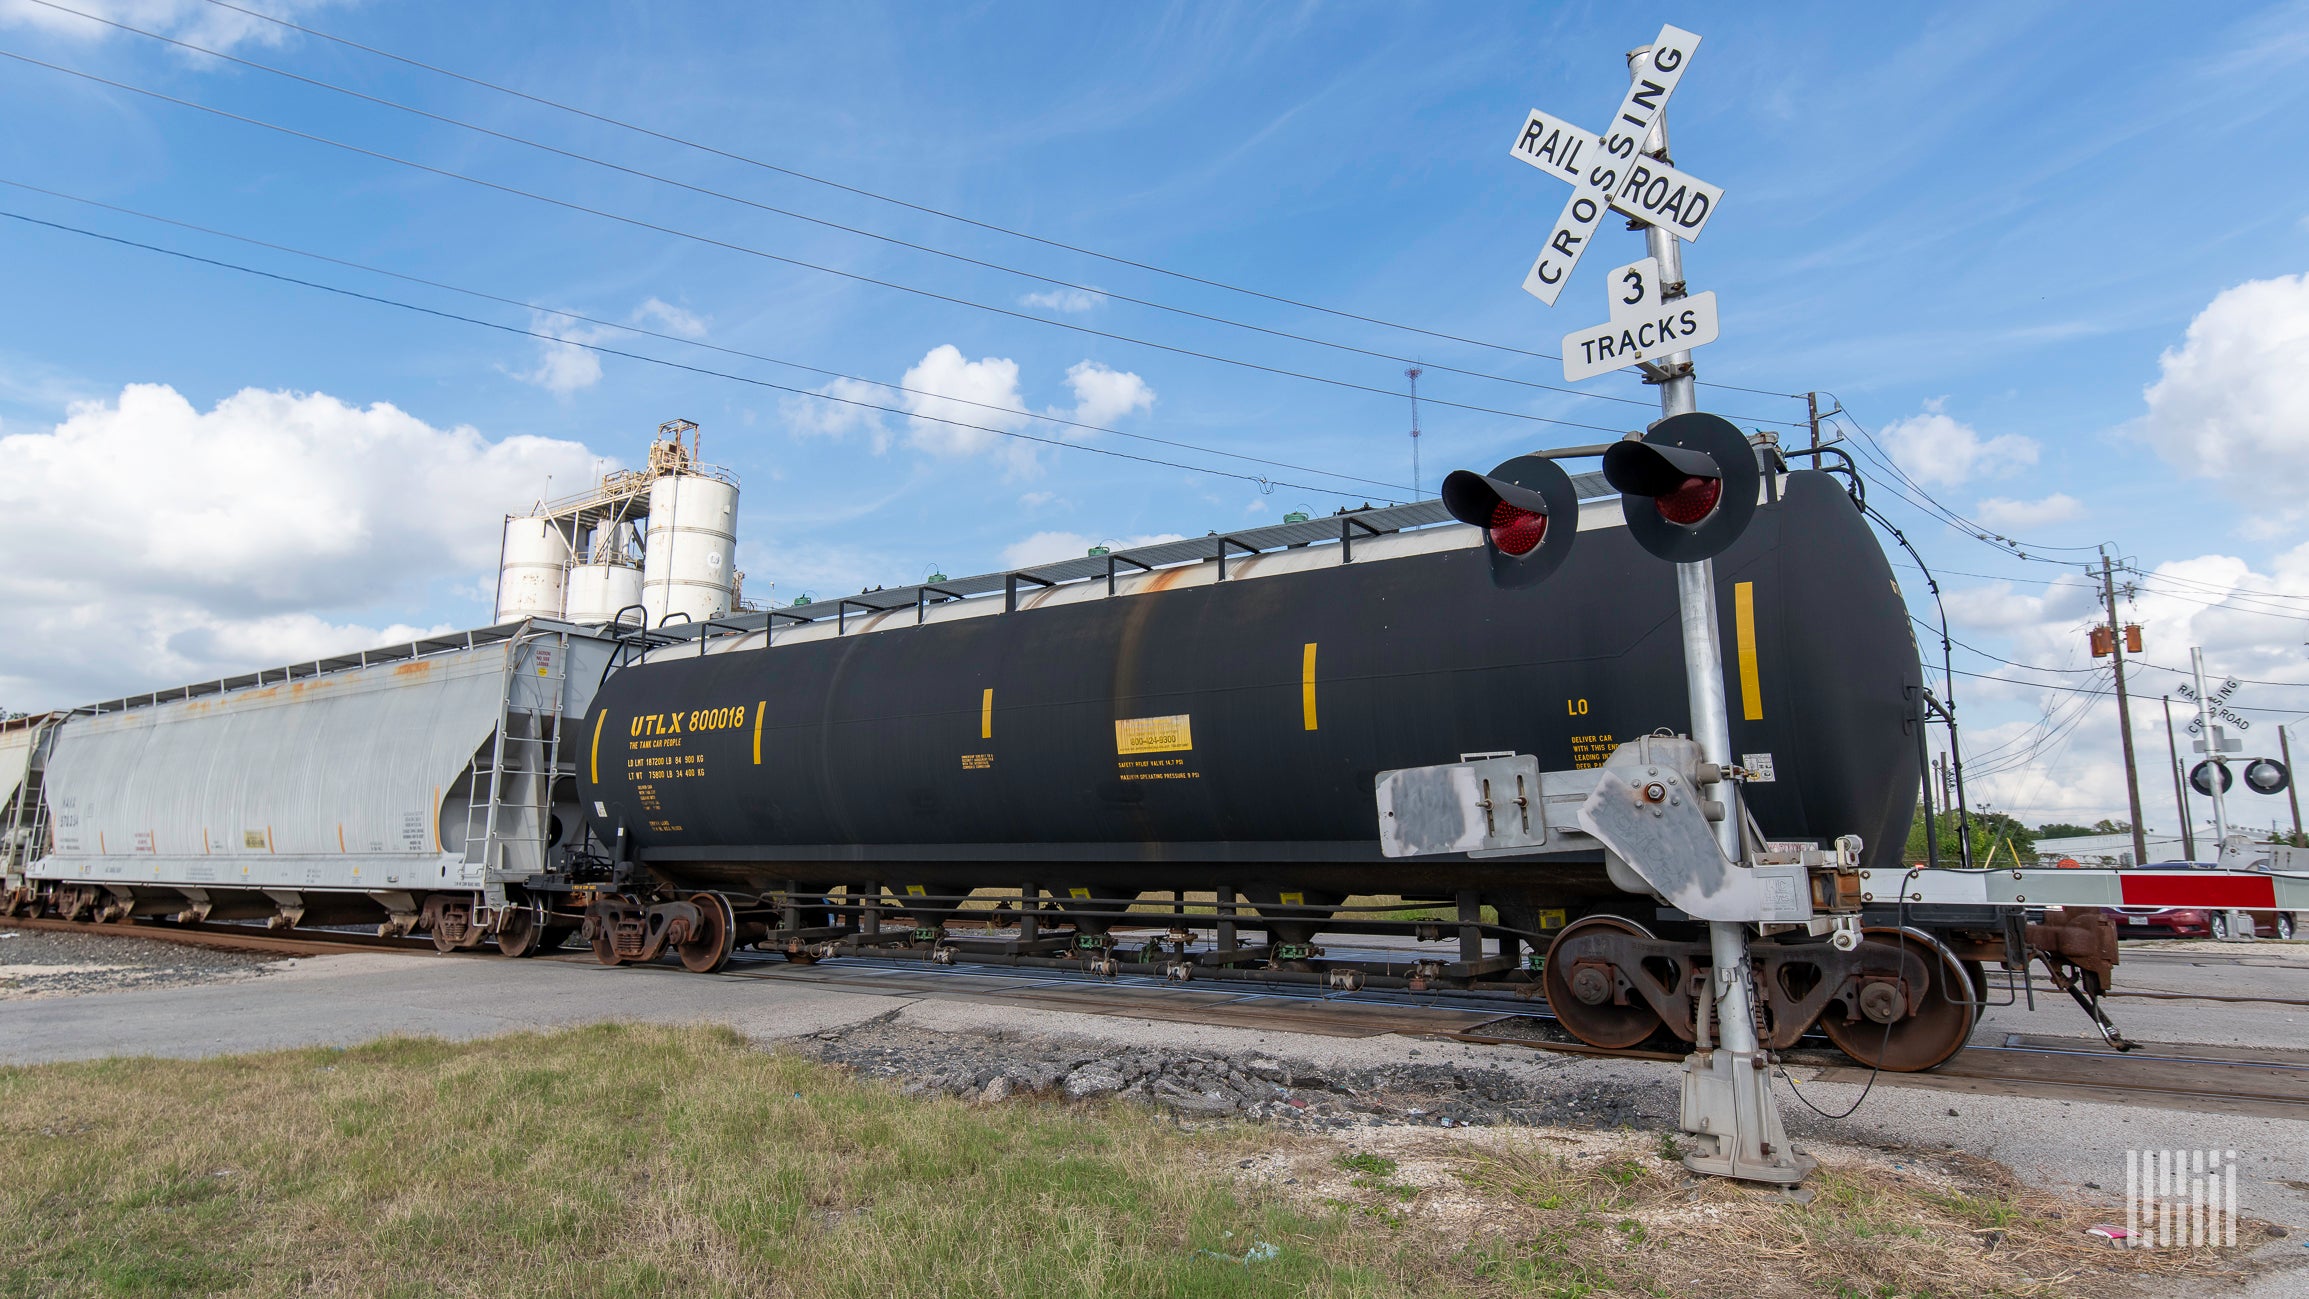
(1988,229)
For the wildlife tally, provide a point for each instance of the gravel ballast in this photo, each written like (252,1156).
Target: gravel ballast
(993,1065)
(46,963)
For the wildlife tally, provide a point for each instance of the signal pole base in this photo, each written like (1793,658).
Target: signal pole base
(1729,1108)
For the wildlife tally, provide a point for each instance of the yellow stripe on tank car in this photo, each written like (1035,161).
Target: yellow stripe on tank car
(760,710)
(1744,632)
(596,759)
(1307,686)
(986,714)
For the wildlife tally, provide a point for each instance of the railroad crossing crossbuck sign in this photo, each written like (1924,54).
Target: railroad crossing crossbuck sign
(1610,171)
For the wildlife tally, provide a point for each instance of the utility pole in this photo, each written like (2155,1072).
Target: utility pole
(2124,711)
(2292,786)
(1413,375)
(2180,785)
(1812,416)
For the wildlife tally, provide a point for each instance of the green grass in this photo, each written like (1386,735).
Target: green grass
(617,1161)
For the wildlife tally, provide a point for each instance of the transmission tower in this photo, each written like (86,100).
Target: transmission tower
(1413,376)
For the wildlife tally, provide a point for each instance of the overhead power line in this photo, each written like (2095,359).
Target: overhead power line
(659,360)
(925,209)
(639,223)
(893,240)
(686,342)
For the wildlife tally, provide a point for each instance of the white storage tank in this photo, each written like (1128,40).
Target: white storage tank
(687,557)
(532,578)
(598,591)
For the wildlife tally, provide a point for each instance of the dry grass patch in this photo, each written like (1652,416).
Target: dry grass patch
(1606,1214)
(633,1161)
(615,1161)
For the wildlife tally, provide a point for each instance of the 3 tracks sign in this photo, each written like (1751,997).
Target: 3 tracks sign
(1610,171)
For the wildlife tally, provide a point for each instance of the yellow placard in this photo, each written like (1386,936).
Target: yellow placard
(1153,734)
(1744,636)
(1307,687)
(1079,895)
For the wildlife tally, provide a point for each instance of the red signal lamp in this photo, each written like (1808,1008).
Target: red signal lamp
(1693,501)
(1515,530)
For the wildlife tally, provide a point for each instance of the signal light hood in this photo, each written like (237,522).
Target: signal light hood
(1531,485)
(1671,454)
(1649,469)
(1475,498)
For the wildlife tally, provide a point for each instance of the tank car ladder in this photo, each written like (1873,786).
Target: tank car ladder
(526,746)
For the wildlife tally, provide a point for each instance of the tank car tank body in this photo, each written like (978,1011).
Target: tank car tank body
(1191,731)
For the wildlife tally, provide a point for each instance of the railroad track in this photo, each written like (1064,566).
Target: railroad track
(232,938)
(2270,1083)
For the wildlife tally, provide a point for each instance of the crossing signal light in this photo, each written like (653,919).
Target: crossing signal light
(1688,488)
(2201,777)
(1528,511)
(2267,776)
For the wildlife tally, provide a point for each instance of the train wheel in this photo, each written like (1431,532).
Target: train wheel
(522,933)
(709,949)
(1580,992)
(1909,1043)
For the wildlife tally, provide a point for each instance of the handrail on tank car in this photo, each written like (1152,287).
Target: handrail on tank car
(842,611)
(1010,583)
(625,639)
(923,593)
(705,625)
(1112,559)
(1857,489)
(1225,542)
(1347,525)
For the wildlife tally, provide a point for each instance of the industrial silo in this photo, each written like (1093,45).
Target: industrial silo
(597,592)
(689,549)
(533,576)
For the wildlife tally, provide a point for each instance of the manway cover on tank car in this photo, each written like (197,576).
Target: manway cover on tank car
(1245,720)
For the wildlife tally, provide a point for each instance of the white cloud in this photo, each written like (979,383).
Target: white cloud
(201,24)
(1102,396)
(1048,547)
(563,365)
(941,376)
(2007,515)
(674,319)
(1940,450)
(2229,403)
(1067,300)
(842,416)
(150,542)
(567,363)
(2247,617)
(959,407)
(1036,500)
